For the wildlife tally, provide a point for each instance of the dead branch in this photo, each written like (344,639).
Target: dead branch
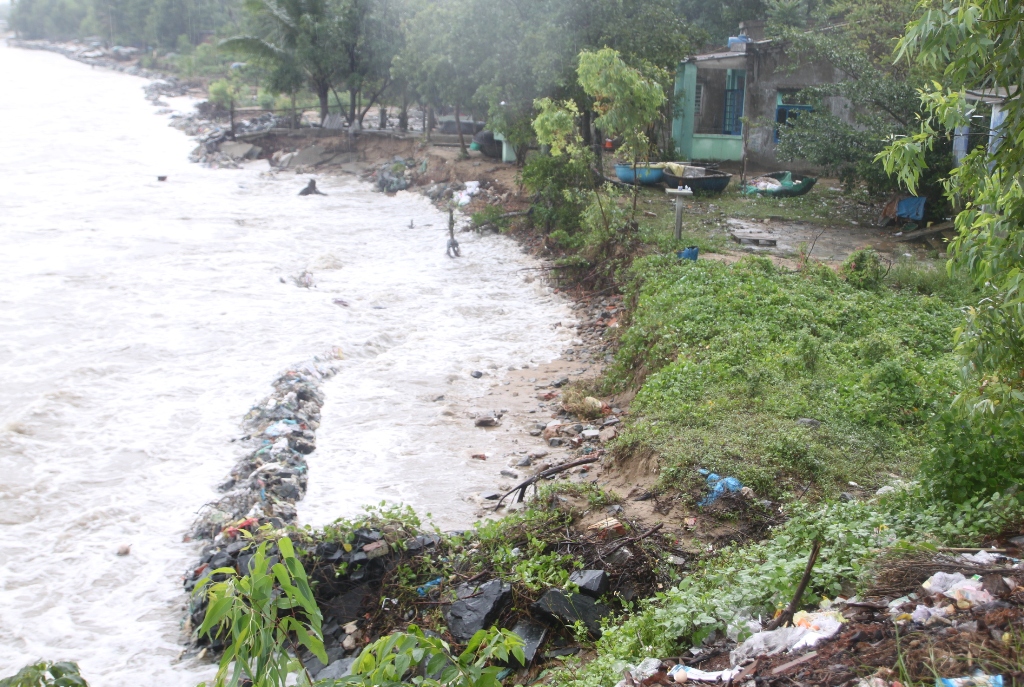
(523,486)
(787,614)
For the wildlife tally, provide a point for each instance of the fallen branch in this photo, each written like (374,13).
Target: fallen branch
(630,540)
(523,486)
(787,614)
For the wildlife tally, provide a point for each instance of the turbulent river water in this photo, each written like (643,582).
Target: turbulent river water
(140,320)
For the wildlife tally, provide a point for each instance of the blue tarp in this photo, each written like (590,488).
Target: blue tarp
(911,208)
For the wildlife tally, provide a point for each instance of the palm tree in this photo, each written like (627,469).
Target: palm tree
(303,34)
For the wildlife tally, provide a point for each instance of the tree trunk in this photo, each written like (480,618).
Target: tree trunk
(458,125)
(403,114)
(588,135)
(322,92)
(352,106)
(428,120)
(383,118)
(232,115)
(294,121)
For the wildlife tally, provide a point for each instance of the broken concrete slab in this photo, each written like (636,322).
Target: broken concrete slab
(238,150)
(478,606)
(342,158)
(307,157)
(569,608)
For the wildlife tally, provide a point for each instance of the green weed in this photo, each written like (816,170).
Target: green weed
(730,358)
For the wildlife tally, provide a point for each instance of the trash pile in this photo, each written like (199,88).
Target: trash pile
(960,617)
(398,174)
(264,485)
(565,430)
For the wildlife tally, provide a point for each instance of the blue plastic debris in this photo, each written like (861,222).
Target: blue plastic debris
(422,591)
(979,679)
(719,485)
(688,253)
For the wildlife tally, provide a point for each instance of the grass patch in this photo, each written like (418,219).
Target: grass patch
(730,357)
(704,216)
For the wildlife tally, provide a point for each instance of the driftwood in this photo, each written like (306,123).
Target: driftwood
(787,614)
(926,232)
(523,486)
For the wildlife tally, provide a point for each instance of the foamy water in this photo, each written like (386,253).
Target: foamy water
(140,320)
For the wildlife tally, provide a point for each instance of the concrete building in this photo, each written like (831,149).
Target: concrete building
(750,78)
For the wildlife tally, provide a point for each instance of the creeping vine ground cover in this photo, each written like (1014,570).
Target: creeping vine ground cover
(731,356)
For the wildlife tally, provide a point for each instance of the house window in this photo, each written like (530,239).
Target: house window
(790,103)
(735,80)
(698,100)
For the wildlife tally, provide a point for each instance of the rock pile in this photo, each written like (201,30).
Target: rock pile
(118,58)
(397,174)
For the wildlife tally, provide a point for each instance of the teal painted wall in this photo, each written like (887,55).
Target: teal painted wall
(716,147)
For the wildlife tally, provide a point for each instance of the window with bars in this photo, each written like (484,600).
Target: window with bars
(698,100)
(734,83)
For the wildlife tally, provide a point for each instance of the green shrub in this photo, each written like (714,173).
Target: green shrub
(556,182)
(863,269)
(975,453)
(45,674)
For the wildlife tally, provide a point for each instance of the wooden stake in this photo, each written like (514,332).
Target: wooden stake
(787,614)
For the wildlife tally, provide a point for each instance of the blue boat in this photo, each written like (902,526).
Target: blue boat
(711,182)
(648,175)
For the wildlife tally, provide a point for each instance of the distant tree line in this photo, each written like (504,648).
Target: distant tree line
(139,23)
(468,55)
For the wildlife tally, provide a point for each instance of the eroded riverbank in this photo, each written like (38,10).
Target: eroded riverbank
(143,318)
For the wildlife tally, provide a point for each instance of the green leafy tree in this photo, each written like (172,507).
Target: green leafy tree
(370,35)
(265,616)
(303,34)
(976,46)
(882,102)
(628,101)
(439,61)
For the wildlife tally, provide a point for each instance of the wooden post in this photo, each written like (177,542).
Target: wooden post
(679,193)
